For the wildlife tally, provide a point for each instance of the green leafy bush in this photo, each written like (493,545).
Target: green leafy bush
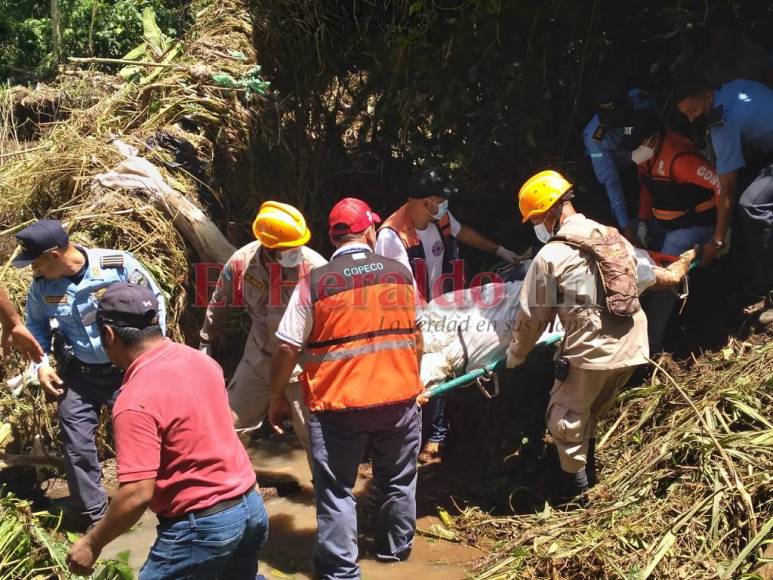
(105,28)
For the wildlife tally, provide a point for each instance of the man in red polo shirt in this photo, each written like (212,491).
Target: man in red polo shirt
(177,453)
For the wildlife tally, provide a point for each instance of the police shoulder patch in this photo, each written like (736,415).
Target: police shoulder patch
(599,133)
(111,261)
(137,277)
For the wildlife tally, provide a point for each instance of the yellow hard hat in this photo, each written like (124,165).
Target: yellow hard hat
(541,192)
(279,225)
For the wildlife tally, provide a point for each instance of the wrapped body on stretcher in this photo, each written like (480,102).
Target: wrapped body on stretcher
(468,329)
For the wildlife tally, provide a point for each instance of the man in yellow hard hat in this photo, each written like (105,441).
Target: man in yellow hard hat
(261,277)
(586,275)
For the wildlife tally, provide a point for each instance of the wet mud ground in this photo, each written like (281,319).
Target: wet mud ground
(282,464)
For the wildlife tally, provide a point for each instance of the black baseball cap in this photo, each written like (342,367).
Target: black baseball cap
(639,126)
(38,239)
(426,183)
(611,100)
(128,305)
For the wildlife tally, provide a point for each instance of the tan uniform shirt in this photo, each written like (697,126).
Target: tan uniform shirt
(245,282)
(562,281)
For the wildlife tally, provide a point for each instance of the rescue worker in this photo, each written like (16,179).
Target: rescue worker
(424,236)
(177,453)
(681,204)
(15,334)
(356,321)
(61,303)
(739,118)
(602,135)
(261,277)
(606,330)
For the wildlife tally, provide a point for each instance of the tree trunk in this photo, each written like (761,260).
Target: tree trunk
(94,4)
(56,36)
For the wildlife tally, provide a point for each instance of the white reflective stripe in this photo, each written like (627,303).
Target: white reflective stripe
(348,353)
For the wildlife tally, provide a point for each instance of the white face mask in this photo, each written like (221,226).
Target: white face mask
(642,154)
(542,233)
(289,258)
(442,208)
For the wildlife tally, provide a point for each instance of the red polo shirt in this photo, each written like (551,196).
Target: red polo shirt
(172,423)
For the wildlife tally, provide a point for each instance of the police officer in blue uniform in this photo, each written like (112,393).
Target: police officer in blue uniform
(602,136)
(739,140)
(61,311)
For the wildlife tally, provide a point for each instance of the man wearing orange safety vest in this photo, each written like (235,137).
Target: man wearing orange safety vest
(424,236)
(260,277)
(356,322)
(682,204)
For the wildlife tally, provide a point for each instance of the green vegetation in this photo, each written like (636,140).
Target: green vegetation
(105,28)
(29,547)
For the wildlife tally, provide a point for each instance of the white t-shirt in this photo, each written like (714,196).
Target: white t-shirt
(389,245)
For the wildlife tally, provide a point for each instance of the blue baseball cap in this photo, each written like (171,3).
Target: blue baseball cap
(128,305)
(38,239)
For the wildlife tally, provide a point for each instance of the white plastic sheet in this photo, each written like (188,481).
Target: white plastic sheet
(481,319)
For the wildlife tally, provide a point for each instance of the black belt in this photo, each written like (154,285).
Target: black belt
(93,369)
(210,511)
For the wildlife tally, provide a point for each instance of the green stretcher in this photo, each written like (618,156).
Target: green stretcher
(488,373)
(481,375)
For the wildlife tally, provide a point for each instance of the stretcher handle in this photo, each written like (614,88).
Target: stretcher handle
(474,375)
(660,259)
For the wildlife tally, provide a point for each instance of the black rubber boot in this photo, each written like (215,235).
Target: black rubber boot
(590,463)
(569,488)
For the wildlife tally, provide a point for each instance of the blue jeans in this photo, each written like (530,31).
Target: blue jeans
(339,439)
(660,305)
(224,545)
(434,420)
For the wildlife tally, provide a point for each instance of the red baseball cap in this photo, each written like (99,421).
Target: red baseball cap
(351,216)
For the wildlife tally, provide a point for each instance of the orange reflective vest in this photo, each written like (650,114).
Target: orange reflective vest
(402,225)
(679,186)
(362,348)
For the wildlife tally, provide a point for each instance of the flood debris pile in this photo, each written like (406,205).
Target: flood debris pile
(193,117)
(686,485)
(29,113)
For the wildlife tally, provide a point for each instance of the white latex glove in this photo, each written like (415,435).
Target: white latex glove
(512,360)
(206,348)
(507,255)
(642,233)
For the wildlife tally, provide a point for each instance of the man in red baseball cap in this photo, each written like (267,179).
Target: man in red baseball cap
(355,318)
(351,216)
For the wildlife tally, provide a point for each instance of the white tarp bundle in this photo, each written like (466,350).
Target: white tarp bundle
(468,329)
(480,320)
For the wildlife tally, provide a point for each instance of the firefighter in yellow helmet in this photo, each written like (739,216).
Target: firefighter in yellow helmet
(585,275)
(261,277)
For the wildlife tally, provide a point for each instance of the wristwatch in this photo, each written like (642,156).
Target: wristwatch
(718,244)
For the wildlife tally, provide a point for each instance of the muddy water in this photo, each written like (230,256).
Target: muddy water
(293,524)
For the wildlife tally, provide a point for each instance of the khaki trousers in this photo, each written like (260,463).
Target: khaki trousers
(575,407)
(249,395)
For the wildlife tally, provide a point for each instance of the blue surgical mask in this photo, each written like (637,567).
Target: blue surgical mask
(442,208)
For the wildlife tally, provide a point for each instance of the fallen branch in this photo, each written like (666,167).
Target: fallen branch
(125,62)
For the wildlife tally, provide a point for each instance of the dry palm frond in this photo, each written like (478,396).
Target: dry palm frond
(686,489)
